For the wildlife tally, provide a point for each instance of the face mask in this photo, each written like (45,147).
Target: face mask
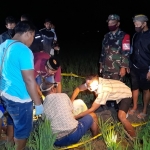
(93,86)
(139,29)
(113,28)
(11,32)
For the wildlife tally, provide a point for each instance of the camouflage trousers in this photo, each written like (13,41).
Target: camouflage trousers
(110,75)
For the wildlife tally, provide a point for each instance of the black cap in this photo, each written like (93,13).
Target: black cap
(53,63)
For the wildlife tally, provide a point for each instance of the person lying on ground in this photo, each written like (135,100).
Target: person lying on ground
(58,109)
(107,89)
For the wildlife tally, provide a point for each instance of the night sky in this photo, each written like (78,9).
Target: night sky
(75,17)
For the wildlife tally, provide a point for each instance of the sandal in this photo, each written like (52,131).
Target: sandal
(131,112)
(141,115)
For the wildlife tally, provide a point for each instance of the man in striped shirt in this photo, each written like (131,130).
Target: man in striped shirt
(108,89)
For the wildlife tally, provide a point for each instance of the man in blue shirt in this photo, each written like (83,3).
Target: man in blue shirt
(17,83)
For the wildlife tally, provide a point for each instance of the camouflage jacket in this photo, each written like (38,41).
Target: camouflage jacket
(114,55)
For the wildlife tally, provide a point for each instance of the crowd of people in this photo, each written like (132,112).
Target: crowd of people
(30,67)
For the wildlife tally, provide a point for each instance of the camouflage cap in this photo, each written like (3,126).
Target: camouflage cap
(113,17)
(141,18)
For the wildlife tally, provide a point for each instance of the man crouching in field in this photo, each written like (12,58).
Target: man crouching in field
(59,110)
(108,89)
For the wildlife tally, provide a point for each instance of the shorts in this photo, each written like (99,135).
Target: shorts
(20,116)
(49,79)
(84,124)
(124,104)
(138,79)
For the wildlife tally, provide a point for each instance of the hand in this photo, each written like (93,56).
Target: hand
(100,68)
(122,72)
(57,48)
(128,70)
(148,76)
(39,109)
(76,117)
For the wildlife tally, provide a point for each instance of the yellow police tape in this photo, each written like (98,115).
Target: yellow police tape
(81,143)
(71,75)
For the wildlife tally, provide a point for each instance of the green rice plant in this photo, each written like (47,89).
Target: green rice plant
(146,143)
(142,142)
(119,127)
(110,135)
(87,145)
(42,137)
(9,146)
(144,130)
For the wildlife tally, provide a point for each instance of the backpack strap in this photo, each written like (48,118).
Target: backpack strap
(5,55)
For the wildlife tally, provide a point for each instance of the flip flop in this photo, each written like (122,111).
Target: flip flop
(131,112)
(141,115)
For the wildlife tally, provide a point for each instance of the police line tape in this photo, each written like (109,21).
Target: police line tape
(100,134)
(71,75)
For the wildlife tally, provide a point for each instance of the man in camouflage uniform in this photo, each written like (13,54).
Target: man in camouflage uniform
(115,50)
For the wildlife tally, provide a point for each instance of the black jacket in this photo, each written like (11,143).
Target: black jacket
(37,44)
(48,38)
(4,36)
(140,56)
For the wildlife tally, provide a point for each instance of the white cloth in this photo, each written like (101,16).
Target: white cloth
(79,106)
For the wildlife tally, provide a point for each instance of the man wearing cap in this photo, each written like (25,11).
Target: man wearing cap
(115,49)
(140,63)
(47,67)
(48,38)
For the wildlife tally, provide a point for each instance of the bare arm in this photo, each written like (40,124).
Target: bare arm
(59,87)
(28,76)
(77,90)
(92,109)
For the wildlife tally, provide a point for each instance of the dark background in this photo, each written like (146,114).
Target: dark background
(76,19)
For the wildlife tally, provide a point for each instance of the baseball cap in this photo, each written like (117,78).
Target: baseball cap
(140,17)
(53,63)
(113,17)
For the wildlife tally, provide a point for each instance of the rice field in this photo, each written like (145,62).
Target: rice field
(81,58)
